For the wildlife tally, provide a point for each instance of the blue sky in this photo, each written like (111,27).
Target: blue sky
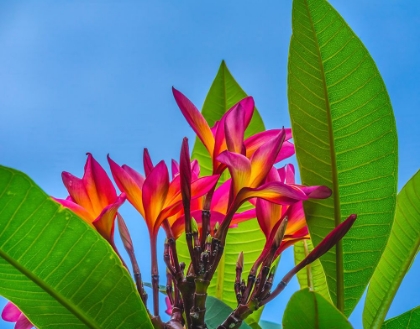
(79,77)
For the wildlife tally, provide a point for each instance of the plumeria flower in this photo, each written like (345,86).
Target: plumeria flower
(228,132)
(154,196)
(93,198)
(271,215)
(218,211)
(249,179)
(11,313)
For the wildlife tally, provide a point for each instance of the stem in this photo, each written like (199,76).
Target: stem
(205,227)
(155,275)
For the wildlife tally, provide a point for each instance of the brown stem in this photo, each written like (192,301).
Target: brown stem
(155,275)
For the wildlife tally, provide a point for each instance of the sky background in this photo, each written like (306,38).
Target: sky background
(91,76)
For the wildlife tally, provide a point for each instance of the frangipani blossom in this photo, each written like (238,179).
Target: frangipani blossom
(218,211)
(228,132)
(11,313)
(271,215)
(93,198)
(155,197)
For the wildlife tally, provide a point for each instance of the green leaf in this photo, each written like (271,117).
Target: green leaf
(217,312)
(345,138)
(223,94)
(309,310)
(312,276)
(55,268)
(398,256)
(407,320)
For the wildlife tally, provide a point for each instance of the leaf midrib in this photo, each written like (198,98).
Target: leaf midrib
(72,308)
(334,174)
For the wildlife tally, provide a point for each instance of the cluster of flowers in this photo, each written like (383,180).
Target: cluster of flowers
(202,208)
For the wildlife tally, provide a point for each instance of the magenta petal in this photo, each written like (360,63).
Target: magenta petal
(77,190)
(316,192)
(203,185)
(78,210)
(235,129)
(136,176)
(155,190)
(10,312)
(195,169)
(286,151)
(245,215)
(194,118)
(220,199)
(104,223)
(239,168)
(147,162)
(287,174)
(276,192)
(264,158)
(248,106)
(23,323)
(99,187)
(174,168)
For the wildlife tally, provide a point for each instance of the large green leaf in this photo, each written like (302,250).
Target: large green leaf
(309,310)
(223,94)
(313,275)
(399,253)
(57,270)
(217,312)
(407,320)
(345,137)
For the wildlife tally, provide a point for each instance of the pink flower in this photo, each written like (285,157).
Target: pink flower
(93,198)
(154,196)
(12,314)
(227,134)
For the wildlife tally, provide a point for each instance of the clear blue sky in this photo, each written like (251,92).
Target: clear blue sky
(79,77)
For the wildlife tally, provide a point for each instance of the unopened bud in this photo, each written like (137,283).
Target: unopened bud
(124,234)
(278,238)
(194,226)
(240,261)
(209,239)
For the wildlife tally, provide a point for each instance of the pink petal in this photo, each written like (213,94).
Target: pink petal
(239,168)
(235,129)
(195,169)
(23,323)
(78,210)
(194,118)
(77,191)
(243,216)
(168,306)
(10,312)
(203,185)
(220,198)
(174,168)
(147,162)
(264,158)
(316,192)
(286,151)
(99,187)
(155,190)
(255,141)
(127,184)
(248,106)
(268,215)
(276,192)
(136,176)
(106,220)
(287,174)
